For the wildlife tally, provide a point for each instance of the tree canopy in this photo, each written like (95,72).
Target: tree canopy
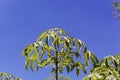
(107,69)
(7,76)
(56,47)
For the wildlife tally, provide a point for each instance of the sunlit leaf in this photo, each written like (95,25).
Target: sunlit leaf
(42,36)
(94,59)
(27,63)
(32,65)
(7,76)
(79,44)
(56,46)
(47,39)
(86,56)
(108,69)
(28,50)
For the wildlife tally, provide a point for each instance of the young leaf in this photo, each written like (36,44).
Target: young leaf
(94,59)
(32,65)
(42,36)
(86,56)
(47,40)
(27,63)
(106,63)
(82,66)
(78,44)
(62,67)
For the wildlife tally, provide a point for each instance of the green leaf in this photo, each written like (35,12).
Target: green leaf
(72,67)
(47,39)
(68,68)
(82,66)
(42,54)
(40,65)
(76,54)
(72,40)
(53,70)
(32,65)
(47,48)
(42,36)
(94,59)
(62,44)
(66,61)
(7,76)
(86,56)
(28,50)
(78,44)
(106,62)
(24,52)
(77,72)
(67,43)
(61,31)
(115,63)
(117,56)
(62,67)
(27,63)
(48,61)
(34,56)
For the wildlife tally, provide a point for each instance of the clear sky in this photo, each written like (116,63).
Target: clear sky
(21,22)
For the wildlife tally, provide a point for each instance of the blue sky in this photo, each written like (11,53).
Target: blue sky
(22,21)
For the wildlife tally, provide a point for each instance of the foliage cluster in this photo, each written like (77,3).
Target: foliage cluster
(116,4)
(6,76)
(56,48)
(61,50)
